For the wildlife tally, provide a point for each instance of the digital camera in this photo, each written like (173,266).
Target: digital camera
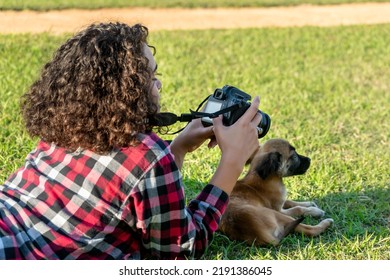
(232,97)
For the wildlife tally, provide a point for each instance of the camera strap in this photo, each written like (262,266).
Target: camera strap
(167,118)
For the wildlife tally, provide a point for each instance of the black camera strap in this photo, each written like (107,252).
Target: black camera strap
(167,118)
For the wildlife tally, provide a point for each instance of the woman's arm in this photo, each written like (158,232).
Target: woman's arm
(237,143)
(169,228)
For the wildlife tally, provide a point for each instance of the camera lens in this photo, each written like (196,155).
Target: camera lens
(264,125)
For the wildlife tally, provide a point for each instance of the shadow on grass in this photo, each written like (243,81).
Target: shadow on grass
(361,230)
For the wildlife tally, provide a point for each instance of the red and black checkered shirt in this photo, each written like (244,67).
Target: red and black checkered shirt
(129,204)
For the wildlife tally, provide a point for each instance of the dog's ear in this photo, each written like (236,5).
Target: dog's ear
(269,164)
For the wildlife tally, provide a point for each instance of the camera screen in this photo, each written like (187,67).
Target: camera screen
(211,107)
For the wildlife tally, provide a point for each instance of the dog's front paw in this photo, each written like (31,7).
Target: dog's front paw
(313,204)
(315,212)
(307,204)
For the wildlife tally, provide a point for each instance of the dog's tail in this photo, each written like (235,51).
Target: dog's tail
(289,228)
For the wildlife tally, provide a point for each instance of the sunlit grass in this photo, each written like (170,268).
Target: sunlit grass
(326,90)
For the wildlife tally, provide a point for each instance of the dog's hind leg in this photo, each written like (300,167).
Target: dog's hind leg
(289,228)
(314,230)
(275,227)
(284,225)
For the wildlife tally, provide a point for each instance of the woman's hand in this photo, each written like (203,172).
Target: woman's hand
(239,140)
(191,138)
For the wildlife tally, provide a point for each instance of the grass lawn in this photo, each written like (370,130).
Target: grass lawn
(87,4)
(327,91)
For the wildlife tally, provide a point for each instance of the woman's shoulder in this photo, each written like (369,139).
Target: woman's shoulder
(150,152)
(150,146)
(152,140)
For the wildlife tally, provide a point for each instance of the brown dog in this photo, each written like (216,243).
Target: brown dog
(258,211)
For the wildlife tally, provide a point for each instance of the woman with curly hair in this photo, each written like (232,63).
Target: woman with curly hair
(100,184)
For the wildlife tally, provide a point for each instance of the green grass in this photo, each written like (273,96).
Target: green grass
(326,90)
(87,4)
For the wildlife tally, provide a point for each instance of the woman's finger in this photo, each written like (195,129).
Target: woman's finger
(251,112)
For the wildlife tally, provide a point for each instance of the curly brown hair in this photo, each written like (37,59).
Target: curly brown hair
(95,92)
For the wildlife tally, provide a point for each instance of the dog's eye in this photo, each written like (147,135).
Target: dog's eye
(294,157)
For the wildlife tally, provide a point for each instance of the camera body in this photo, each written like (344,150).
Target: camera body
(228,96)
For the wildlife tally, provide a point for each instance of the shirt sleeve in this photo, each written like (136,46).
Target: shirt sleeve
(169,229)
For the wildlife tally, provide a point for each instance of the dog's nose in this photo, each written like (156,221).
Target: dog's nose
(305,162)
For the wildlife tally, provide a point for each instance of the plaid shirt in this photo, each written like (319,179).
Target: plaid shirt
(129,204)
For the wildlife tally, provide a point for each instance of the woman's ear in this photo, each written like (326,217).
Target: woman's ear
(268,164)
